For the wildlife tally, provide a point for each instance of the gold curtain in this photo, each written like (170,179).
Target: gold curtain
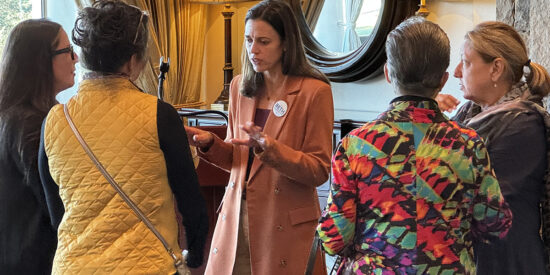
(193,48)
(312,10)
(177,30)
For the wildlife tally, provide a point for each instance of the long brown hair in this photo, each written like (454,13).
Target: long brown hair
(494,39)
(26,89)
(26,75)
(279,15)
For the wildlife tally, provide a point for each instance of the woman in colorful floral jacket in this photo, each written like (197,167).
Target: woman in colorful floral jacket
(412,190)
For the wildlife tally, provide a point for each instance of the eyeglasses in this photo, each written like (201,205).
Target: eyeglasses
(64,50)
(143,13)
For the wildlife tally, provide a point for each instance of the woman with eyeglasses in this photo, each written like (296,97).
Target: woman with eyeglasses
(35,67)
(141,143)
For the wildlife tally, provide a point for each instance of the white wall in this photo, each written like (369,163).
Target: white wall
(364,100)
(64,12)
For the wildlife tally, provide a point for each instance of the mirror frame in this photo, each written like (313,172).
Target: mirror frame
(364,62)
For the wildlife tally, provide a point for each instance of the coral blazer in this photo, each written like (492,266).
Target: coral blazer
(283,207)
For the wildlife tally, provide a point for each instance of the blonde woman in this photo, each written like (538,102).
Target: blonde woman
(505,90)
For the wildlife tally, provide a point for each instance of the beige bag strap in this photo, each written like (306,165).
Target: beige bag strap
(133,206)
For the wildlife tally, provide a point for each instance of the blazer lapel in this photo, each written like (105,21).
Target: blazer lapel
(274,124)
(246,111)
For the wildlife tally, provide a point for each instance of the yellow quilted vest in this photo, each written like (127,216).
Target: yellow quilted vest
(99,233)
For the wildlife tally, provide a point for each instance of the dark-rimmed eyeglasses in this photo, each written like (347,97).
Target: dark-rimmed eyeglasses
(64,50)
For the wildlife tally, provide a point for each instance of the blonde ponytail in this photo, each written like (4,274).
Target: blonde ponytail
(538,79)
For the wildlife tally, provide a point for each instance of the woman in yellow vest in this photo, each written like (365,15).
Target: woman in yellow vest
(37,64)
(141,143)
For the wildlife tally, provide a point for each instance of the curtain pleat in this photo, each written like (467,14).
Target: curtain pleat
(351,38)
(195,32)
(312,10)
(177,31)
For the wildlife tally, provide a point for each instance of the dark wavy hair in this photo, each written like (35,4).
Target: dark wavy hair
(26,86)
(109,33)
(279,15)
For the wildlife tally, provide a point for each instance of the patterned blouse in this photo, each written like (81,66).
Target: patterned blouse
(410,192)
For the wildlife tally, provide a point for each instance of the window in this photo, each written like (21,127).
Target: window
(336,29)
(13,12)
(367,19)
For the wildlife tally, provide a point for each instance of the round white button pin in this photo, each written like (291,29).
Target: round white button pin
(280,108)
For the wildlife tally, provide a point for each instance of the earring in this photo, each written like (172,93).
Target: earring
(495,84)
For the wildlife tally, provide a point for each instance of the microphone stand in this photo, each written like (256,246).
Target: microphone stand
(164,67)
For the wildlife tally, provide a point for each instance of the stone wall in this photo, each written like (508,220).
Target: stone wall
(530,18)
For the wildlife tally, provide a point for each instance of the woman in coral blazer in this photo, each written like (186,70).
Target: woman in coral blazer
(278,150)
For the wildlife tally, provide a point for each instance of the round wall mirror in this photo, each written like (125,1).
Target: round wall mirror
(345,39)
(343,26)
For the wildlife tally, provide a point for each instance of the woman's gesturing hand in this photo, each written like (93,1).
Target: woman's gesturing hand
(256,138)
(446,102)
(199,138)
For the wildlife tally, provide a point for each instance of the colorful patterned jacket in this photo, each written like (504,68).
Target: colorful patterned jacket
(410,192)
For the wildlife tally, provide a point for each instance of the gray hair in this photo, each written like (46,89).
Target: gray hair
(418,56)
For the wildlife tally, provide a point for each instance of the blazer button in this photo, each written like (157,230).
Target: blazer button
(282,263)
(215,250)
(280,228)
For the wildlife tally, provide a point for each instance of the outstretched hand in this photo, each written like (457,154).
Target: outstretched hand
(199,138)
(446,102)
(256,139)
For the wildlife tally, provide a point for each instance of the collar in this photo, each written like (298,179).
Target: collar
(473,113)
(413,98)
(415,109)
(95,81)
(293,84)
(518,91)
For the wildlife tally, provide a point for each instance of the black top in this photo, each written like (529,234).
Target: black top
(518,156)
(181,177)
(27,241)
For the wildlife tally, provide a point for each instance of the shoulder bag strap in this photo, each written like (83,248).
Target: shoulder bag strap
(312,254)
(125,197)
